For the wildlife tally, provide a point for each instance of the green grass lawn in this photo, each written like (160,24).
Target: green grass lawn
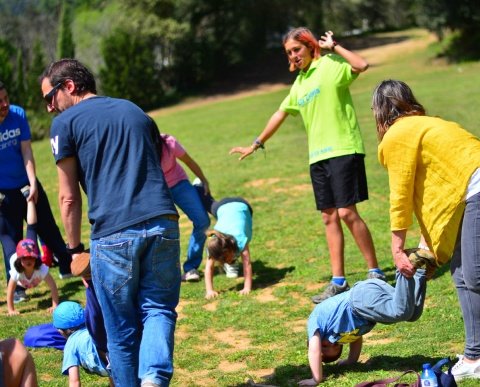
(227,341)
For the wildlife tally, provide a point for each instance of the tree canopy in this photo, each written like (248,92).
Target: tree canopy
(152,51)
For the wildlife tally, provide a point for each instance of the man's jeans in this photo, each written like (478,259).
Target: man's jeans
(136,274)
(186,197)
(465,269)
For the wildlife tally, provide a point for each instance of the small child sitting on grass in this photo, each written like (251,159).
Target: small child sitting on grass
(346,317)
(26,267)
(228,239)
(80,349)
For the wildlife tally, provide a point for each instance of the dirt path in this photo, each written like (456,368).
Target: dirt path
(418,39)
(202,101)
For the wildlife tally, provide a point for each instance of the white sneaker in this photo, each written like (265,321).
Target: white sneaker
(462,370)
(191,276)
(231,270)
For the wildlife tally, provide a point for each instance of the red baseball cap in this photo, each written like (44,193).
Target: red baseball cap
(27,248)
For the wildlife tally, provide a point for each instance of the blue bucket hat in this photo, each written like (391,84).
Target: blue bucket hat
(68,314)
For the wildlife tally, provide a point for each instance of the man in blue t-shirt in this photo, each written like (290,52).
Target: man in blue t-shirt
(17,169)
(104,145)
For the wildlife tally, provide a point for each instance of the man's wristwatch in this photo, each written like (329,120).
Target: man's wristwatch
(76,250)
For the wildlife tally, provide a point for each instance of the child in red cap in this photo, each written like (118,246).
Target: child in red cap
(26,267)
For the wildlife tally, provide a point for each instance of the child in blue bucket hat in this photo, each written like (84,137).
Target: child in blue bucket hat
(80,349)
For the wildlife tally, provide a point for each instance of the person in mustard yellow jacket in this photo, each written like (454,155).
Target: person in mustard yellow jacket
(434,173)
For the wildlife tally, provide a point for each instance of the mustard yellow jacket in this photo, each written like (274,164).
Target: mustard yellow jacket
(429,162)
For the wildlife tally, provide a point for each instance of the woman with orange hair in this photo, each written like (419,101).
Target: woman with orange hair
(321,95)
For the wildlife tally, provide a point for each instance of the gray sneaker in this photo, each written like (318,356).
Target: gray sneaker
(19,296)
(331,290)
(376,275)
(422,258)
(191,276)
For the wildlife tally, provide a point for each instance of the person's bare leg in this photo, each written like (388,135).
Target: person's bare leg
(360,232)
(18,366)
(335,241)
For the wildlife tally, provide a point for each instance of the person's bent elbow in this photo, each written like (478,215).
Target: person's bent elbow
(361,67)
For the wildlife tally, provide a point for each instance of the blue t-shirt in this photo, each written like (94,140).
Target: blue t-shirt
(336,322)
(117,162)
(80,351)
(235,219)
(13,130)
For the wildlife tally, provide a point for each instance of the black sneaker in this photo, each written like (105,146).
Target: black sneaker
(330,291)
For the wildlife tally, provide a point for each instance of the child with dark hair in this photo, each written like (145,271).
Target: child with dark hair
(346,317)
(229,238)
(26,267)
(81,349)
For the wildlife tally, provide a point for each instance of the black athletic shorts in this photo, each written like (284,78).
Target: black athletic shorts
(339,182)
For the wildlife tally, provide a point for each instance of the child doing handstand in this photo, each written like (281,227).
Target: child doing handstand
(228,239)
(346,317)
(26,267)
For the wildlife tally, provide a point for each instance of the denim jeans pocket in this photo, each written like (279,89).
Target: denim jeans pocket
(114,263)
(165,263)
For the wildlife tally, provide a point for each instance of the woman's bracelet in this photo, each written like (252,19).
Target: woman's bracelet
(334,44)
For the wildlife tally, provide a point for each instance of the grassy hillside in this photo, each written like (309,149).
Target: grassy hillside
(261,337)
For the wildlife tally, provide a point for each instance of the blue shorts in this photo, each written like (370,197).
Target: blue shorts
(339,182)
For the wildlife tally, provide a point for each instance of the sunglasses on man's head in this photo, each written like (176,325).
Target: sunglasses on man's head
(49,96)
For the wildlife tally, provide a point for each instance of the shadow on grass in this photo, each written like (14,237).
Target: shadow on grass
(267,276)
(43,299)
(65,291)
(290,375)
